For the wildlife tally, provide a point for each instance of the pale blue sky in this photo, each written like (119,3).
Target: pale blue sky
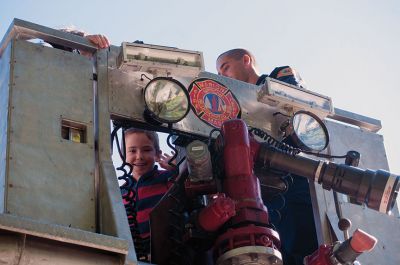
(345,49)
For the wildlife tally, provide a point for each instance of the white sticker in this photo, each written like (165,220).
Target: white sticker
(197,148)
(386,193)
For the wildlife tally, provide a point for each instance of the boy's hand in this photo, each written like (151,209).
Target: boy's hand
(164,158)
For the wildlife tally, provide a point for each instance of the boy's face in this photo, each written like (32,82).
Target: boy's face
(140,153)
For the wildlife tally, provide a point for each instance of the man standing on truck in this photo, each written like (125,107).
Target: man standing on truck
(291,213)
(240,64)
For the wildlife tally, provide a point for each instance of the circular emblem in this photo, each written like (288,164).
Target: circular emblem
(213,102)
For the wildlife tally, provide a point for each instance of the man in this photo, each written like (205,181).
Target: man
(291,213)
(240,64)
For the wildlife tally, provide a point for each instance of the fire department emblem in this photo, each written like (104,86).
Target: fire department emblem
(213,102)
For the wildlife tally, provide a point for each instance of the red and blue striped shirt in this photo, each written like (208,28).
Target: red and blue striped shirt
(146,193)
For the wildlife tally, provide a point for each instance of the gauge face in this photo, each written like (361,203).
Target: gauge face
(310,131)
(167,100)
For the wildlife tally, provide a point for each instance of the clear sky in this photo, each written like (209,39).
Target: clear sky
(345,49)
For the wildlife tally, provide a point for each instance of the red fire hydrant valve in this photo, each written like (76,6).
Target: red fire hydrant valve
(216,213)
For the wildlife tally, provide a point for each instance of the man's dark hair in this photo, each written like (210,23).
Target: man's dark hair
(238,54)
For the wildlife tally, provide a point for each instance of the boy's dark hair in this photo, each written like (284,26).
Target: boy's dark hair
(153,136)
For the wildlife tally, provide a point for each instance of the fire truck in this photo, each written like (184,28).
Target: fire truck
(62,115)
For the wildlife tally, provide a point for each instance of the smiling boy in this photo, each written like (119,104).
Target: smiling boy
(147,184)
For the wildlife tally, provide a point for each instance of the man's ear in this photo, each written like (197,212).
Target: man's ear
(246,60)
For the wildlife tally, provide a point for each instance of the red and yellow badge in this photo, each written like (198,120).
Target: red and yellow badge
(213,102)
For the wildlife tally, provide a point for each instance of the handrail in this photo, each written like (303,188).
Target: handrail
(370,124)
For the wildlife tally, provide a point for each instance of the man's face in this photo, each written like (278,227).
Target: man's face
(232,68)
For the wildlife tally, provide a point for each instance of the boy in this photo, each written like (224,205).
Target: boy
(147,185)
